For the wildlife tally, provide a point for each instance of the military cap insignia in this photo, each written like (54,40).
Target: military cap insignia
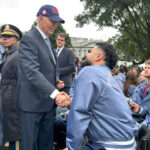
(11,30)
(7,26)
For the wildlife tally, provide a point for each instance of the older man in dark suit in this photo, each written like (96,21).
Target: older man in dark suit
(66,61)
(38,75)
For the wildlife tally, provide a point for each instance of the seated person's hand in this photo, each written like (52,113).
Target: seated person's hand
(135,107)
(60,84)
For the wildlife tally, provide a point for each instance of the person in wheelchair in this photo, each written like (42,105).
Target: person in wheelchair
(99,108)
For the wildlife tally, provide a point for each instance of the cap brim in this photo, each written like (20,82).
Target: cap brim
(57,19)
(9,34)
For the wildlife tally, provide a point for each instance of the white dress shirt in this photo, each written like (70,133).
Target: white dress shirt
(59,50)
(55,92)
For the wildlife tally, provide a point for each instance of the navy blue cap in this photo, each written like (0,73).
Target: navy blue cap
(51,12)
(11,30)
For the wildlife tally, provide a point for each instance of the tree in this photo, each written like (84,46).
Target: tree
(131,17)
(59,29)
(126,49)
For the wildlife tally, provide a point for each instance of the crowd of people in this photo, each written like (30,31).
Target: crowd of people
(44,107)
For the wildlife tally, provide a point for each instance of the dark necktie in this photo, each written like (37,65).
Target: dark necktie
(49,46)
(57,52)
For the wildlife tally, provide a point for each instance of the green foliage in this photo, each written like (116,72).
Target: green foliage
(33,25)
(59,29)
(130,17)
(126,49)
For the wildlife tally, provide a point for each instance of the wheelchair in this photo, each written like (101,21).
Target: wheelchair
(143,139)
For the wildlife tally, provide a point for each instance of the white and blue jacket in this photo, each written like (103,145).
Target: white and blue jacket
(138,92)
(131,90)
(100,110)
(120,78)
(142,98)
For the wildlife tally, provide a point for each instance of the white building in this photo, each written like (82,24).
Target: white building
(82,46)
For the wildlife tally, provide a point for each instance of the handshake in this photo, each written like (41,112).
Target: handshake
(63,100)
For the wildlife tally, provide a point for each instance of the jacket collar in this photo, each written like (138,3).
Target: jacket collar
(44,45)
(12,49)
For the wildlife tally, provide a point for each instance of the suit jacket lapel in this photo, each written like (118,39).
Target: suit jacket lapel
(44,45)
(61,53)
(54,52)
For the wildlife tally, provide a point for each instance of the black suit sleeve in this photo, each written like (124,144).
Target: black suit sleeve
(71,65)
(29,63)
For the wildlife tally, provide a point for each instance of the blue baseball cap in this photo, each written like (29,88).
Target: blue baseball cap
(51,12)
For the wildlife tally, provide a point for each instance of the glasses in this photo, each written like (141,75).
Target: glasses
(60,40)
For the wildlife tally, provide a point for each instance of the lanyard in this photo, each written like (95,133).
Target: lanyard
(145,90)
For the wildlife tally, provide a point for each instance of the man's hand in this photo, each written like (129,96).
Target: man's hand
(68,101)
(62,99)
(135,107)
(60,84)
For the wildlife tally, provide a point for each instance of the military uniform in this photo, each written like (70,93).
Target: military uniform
(9,74)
